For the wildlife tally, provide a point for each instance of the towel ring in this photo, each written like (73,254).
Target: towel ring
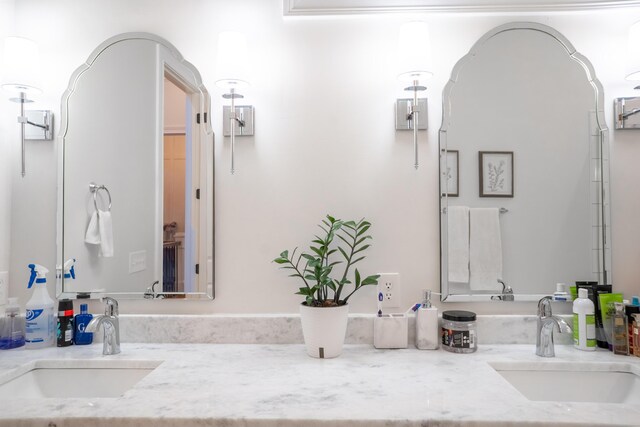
(94,188)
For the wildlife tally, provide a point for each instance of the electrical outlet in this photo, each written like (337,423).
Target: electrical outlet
(389,286)
(137,261)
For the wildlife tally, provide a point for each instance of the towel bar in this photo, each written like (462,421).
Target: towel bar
(501,210)
(94,188)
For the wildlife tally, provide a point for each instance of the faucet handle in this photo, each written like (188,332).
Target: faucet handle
(544,307)
(111,306)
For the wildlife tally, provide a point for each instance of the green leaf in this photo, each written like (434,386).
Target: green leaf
(345,240)
(362,239)
(281,261)
(344,254)
(284,254)
(371,280)
(361,249)
(363,229)
(357,278)
(359,259)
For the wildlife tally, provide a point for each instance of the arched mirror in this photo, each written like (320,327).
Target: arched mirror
(135,206)
(524,170)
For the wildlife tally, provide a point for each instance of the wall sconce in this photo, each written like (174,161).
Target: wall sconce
(626,109)
(232,71)
(20,68)
(414,56)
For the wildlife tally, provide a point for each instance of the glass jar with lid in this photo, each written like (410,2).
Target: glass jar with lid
(459,331)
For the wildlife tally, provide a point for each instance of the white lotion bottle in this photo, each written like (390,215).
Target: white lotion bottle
(39,322)
(584,322)
(427,337)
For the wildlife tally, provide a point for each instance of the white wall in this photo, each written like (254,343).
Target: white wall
(324,90)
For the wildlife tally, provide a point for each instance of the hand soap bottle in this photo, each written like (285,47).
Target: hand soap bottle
(39,324)
(81,321)
(584,322)
(427,337)
(12,327)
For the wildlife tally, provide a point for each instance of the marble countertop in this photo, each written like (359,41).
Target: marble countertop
(279,385)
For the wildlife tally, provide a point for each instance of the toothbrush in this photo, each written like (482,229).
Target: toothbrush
(380,298)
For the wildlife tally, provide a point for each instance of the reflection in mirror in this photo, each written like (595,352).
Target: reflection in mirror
(131,119)
(523,169)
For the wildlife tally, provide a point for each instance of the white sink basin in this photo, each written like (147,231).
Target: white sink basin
(74,378)
(573,382)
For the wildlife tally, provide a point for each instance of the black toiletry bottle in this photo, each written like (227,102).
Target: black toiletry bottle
(65,323)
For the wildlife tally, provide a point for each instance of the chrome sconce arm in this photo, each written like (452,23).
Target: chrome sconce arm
(44,130)
(411,114)
(237,121)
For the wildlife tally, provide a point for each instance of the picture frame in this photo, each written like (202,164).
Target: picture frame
(496,173)
(451,172)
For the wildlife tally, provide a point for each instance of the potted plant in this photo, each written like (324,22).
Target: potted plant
(324,312)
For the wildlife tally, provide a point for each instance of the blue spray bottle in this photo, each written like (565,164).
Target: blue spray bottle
(40,320)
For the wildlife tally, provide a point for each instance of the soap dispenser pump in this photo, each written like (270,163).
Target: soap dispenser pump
(427,324)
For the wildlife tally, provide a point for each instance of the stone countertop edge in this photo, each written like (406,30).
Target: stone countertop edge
(279,385)
(286,329)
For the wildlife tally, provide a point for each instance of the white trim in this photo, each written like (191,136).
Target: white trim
(346,7)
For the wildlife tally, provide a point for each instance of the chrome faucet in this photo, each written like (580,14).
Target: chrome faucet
(507,292)
(110,325)
(546,324)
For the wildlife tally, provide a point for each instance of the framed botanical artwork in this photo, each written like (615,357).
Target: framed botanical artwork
(496,173)
(451,173)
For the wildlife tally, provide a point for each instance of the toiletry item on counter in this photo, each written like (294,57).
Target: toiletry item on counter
(40,319)
(12,327)
(391,331)
(80,337)
(65,323)
(459,331)
(636,333)
(4,288)
(561,293)
(620,330)
(630,310)
(593,290)
(427,324)
(584,322)
(607,310)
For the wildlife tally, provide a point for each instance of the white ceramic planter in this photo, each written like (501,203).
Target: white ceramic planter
(324,329)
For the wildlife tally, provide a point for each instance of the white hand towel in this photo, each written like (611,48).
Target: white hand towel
(485,249)
(106,233)
(458,243)
(93,234)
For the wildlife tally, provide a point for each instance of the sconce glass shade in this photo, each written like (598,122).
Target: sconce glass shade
(21,66)
(633,52)
(414,52)
(232,60)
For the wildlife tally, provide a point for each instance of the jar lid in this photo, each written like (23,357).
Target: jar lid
(459,315)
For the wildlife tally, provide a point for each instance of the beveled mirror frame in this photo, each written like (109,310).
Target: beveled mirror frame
(602,199)
(200,107)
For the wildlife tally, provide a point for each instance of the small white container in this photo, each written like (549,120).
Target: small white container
(584,322)
(391,331)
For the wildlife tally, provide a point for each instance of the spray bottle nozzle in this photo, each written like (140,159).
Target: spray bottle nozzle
(38,274)
(70,269)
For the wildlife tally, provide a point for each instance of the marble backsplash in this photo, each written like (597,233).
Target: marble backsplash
(286,329)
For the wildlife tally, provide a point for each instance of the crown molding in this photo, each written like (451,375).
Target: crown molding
(346,7)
